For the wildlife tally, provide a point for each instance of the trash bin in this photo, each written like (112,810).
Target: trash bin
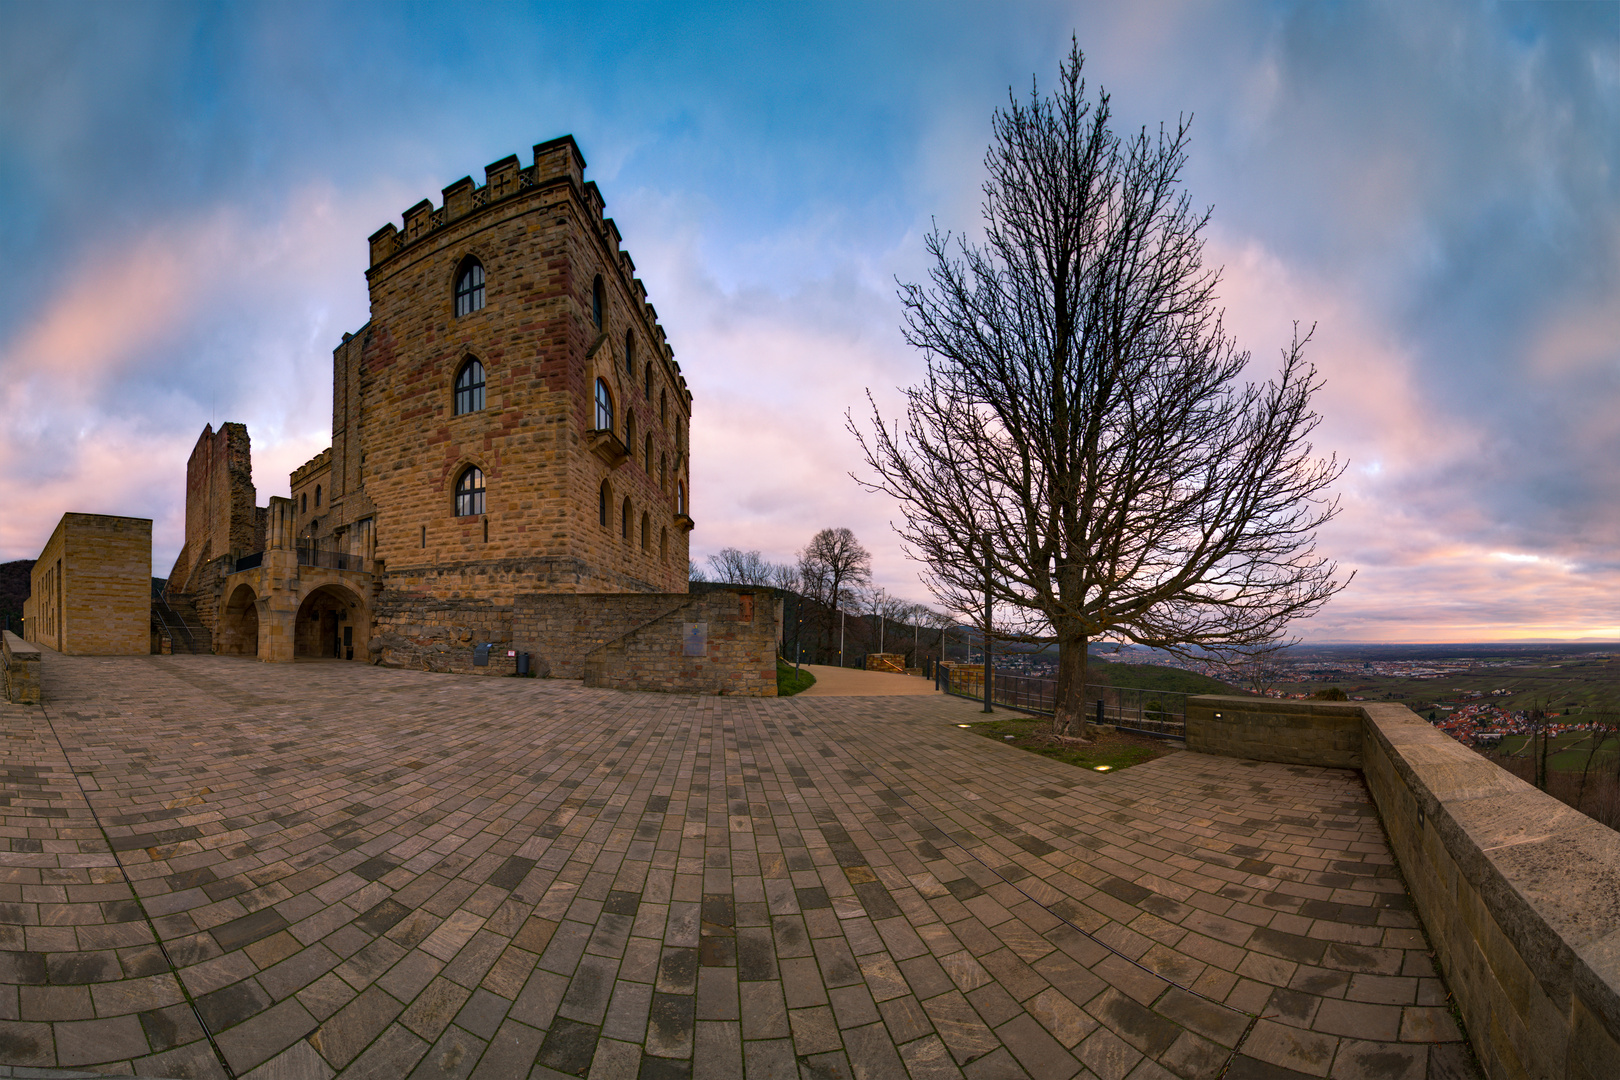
(481,655)
(523,663)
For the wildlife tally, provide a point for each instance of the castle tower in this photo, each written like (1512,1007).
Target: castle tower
(511,420)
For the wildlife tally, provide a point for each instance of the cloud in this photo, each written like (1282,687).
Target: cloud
(1436,187)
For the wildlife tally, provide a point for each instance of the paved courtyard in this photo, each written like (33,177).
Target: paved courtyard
(213,867)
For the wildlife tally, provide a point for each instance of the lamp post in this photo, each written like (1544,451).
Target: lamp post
(988,670)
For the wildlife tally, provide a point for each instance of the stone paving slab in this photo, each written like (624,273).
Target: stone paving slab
(331,870)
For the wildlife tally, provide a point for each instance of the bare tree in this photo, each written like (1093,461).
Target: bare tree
(695,572)
(737,567)
(1080,438)
(837,563)
(785,576)
(832,566)
(1259,667)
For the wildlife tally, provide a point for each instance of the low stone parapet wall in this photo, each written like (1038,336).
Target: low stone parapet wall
(1266,729)
(1519,893)
(559,630)
(719,641)
(20,661)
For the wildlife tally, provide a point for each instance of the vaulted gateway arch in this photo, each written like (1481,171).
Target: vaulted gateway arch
(238,633)
(332,623)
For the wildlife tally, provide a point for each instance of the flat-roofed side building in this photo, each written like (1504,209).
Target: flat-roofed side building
(91,587)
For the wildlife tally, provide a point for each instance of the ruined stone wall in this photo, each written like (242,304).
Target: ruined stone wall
(399,448)
(94,583)
(221,515)
(428,634)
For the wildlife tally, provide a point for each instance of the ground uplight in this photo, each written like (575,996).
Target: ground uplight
(964,725)
(1102,768)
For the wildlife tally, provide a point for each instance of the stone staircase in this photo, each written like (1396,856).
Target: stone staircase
(180,625)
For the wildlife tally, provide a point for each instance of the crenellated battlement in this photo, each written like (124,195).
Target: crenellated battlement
(322,460)
(557,160)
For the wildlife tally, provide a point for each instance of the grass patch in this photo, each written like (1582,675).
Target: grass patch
(790,682)
(1115,749)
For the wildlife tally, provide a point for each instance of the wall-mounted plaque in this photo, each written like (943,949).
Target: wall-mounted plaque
(695,638)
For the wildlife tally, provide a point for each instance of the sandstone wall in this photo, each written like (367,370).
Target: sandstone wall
(737,631)
(398,447)
(19,670)
(93,581)
(1266,729)
(560,631)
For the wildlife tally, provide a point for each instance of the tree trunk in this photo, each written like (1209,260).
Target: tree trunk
(1069,714)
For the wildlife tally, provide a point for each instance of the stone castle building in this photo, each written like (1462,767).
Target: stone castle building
(509,468)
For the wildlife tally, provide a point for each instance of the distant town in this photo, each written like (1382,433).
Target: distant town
(1476,693)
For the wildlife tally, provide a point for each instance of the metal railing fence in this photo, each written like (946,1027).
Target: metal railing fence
(1148,712)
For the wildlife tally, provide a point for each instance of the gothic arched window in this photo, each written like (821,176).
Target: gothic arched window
(470,492)
(630,356)
(470,388)
(624,522)
(630,432)
(596,301)
(680,497)
(604,499)
(604,406)
(469,287)
(646,531)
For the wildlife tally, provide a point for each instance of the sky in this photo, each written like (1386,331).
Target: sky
(1436,187)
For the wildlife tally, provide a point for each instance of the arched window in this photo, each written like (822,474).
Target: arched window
(679,434)
(305,504)
(604,406)
(630,356)
(663,545)
(469,288)
(646,531)
(663,473)
(680,497)
(317,496)
(604,499)
(663,406)
(596,301)
(646,382)
(470,492)
(630,432)
(646,460)
(624,521)
(470,388)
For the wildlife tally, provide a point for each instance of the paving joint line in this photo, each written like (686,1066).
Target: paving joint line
(145,915)
(1090,936)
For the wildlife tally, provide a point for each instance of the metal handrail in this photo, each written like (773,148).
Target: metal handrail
(161,608)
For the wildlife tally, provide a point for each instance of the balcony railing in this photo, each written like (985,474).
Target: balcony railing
(331,560)
(1147,712)
(307,556)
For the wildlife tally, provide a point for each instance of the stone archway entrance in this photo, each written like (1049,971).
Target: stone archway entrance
(330,624)
(239,624)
